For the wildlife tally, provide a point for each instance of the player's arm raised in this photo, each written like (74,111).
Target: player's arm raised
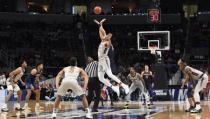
(102,32)
(85,77)
(58,78)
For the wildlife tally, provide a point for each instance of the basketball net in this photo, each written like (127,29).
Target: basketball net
(153,49)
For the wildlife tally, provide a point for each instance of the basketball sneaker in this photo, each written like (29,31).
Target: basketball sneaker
(18,108)
(89,116)
(53,115)
(189,109)
(4,108)
(196,110)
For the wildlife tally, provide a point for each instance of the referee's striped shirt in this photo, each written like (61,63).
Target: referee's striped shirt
(92,69)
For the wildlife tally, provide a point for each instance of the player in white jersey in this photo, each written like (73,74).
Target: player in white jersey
(104,62)
(137,82)
(70,75)
(12,86)
(197,75)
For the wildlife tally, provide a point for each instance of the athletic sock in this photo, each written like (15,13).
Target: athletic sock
(55,110)
(87,110)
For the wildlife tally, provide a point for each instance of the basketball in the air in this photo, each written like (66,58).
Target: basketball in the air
(97,10)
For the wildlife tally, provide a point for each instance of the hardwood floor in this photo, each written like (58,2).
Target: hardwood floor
(160,110)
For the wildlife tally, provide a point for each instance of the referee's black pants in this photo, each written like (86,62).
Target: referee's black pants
(94,91)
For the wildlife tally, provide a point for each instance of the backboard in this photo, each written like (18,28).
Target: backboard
(160,39)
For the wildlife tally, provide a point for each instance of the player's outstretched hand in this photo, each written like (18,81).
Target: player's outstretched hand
(96,21)
(102,21)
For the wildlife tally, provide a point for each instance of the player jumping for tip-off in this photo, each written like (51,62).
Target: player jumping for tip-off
(104,61)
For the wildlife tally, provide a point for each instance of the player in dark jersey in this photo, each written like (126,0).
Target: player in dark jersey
(32,84)
(147,76)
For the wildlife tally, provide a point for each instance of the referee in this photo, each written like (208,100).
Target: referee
(94,88)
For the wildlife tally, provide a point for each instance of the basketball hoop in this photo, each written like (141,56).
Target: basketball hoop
(152,49)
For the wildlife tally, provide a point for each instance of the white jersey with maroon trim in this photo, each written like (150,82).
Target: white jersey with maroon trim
(71,75)
(193,73)
(102,51)
(17,77)
(135,79)
(69,81)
